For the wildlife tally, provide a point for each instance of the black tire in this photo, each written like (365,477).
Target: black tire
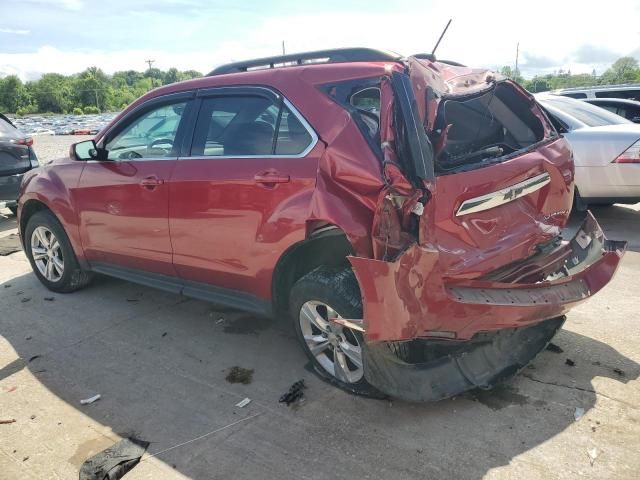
(337,288)
(579,205)
(73,277)
(14,210)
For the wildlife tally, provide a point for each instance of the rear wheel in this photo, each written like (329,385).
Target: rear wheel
(51,255)
(317,299)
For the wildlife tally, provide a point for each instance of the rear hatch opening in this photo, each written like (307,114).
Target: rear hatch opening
(483,128)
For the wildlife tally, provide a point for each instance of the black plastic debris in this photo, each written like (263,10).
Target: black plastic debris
(35,357)
(552,347)
(295,393)
(618,372)
(570,362)
(114,462)
(49,299)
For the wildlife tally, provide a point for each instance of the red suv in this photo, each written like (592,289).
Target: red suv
(407,213)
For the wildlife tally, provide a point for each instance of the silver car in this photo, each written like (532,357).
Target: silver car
(606,149)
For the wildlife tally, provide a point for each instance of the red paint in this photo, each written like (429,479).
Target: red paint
(227,222)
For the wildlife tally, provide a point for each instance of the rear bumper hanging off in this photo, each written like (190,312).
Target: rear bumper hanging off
(411,298)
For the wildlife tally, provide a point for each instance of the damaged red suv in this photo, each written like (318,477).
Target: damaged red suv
(406,213)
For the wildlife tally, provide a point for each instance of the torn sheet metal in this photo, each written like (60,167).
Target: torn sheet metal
(114,462)
(412,297)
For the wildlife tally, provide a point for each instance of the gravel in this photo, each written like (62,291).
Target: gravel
(49,147)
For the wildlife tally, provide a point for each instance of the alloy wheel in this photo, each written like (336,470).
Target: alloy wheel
(47,254)
(335,347)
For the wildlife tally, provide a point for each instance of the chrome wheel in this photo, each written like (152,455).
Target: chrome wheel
(47,254)
(335,347)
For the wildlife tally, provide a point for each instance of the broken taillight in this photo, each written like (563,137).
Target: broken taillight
(630,155)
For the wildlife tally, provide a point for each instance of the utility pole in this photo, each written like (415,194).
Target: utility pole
(150,62)
(283,48)
(515,72)
(97,104)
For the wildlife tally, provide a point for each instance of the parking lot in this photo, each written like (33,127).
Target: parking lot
(160,362)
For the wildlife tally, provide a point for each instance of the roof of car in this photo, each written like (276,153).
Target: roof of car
(622,101)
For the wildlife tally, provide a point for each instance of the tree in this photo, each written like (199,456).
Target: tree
(13,94)
(92,88)
(623,70)
(53,93)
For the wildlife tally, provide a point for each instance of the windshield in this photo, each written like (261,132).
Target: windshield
(590,115)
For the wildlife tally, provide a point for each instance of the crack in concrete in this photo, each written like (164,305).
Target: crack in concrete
(588,390)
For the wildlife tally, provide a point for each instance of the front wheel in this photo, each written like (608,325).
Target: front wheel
(318,298)
(51,255)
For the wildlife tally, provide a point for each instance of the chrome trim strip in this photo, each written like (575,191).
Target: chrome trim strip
(506,195)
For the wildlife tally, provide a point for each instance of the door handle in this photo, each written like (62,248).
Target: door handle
(151,182)
(271,177)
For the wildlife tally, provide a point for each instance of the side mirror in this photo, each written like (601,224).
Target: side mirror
(87,150)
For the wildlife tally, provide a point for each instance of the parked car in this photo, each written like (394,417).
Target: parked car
(606,150)
(629,91)
(406,214)
(16,158)
(629,109)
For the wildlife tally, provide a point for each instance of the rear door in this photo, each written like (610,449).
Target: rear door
(123,202)
(240,192)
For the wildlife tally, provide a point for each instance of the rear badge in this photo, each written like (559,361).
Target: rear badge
(506,195)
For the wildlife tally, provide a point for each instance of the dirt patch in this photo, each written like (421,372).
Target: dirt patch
(10,244)
(240,375)
(244,325)
(499,397)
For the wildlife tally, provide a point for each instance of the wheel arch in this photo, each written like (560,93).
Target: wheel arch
(325,245)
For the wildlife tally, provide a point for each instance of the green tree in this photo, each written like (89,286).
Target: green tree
(53,93)
(92,88)
(623,70)
(13,94)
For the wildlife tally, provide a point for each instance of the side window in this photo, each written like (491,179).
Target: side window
(367,102)
(151,135)
(293,138)
(240,126)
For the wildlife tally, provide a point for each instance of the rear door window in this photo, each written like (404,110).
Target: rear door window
(248,126)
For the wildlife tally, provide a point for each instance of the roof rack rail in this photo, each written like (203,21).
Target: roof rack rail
(432,58)
(338,55)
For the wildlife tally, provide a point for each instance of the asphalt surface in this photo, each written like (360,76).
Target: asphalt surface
(160,363)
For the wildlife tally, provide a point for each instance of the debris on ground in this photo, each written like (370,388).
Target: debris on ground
(240,375)
(294,394)
(132,299)
(32,417)
(593,454)
(114,462)
(552,347)
(25,459)
(5,421)
(28,338)
(90,400)
(164,334)
(49,299)
(7,285)
(35,357)
(19,293)
(243,403)
(578,413)
(570,362)
(26,299)
(619,372)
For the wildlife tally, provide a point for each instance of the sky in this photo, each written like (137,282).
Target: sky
(67,36)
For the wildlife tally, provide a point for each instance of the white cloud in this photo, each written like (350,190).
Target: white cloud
(480,35)
(15,31)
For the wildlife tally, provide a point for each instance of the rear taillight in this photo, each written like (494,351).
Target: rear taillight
(24,141)
(630,155)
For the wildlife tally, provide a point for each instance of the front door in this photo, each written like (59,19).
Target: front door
(237,195)
(123,202)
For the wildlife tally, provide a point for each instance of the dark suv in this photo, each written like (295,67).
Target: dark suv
(406,214)
(16,158)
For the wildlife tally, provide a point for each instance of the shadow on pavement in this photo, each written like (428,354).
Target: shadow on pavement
(159,361)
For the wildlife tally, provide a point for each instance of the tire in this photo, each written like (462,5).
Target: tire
(65,279)
(14,210)
(579,205)
(321,294)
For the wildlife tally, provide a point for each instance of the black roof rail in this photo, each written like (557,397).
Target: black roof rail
(338,55)
(432,58)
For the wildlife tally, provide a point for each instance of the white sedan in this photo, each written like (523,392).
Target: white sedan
(606,150)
